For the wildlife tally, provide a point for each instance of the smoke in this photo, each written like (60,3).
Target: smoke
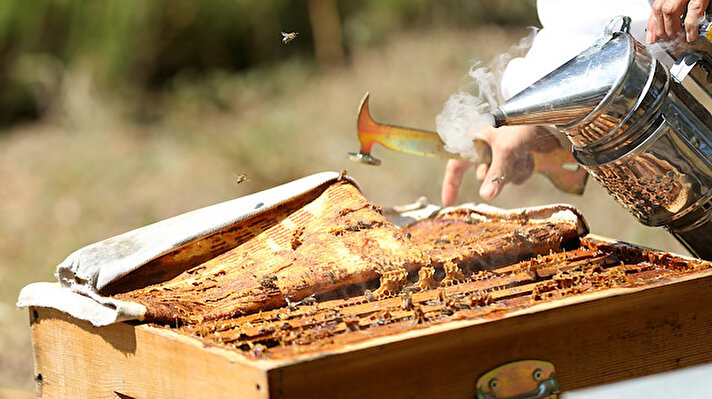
(462,115)
(468,111)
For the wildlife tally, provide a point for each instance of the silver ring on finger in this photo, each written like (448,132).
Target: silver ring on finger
(498,179)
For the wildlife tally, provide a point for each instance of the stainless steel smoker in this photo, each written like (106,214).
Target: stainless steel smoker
(640,122)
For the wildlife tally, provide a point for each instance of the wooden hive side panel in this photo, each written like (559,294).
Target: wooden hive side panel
(605,338)
(73,359)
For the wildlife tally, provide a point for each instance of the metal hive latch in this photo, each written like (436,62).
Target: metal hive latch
(530,379)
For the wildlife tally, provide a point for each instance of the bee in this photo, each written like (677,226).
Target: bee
(240,178)
(331,276)
(369,295)
(310,300)
(258,350)
(269,281)
(292,305)
(407,302)
(520,235)
(352,324)
(418,315)
(288,37)
(447,311)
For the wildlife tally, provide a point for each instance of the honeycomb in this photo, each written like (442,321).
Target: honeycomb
(325,325)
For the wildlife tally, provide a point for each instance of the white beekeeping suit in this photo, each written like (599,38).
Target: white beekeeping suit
(569,27)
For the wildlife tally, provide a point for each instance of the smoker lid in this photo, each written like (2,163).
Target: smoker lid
(572,91)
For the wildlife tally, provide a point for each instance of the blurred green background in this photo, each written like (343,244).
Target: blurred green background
(118,113)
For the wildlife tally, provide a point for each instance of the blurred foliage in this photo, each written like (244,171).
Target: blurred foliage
(143,45)
(371,20)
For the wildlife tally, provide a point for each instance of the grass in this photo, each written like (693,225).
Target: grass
(99,166)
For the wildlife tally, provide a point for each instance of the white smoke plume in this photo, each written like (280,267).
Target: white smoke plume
(462,115)
(468,111)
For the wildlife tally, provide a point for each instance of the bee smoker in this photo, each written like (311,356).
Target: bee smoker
(640,123)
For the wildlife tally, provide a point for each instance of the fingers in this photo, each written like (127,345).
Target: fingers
(508,166)
(454,172)
(511,161)
(672,17)
(481,171)
(665,20)
(650,35)
(695,13)
(656,25)
(511,158)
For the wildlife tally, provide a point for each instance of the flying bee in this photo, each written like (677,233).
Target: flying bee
(288,37)
(240,178)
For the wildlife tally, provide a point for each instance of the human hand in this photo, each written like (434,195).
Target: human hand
(665,21)
(511,160)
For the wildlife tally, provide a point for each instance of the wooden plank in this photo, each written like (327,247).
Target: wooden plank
(590,342)
(73,359)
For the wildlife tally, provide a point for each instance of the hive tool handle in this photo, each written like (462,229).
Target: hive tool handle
(557,165)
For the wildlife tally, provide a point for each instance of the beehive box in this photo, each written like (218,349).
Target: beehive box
(599,312)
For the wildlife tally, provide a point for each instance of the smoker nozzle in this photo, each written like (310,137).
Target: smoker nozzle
(500,119)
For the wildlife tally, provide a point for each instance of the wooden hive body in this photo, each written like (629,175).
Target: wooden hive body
(599,311)
(591,339)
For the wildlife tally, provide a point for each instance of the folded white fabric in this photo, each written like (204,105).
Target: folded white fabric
(86,271)
(98,310)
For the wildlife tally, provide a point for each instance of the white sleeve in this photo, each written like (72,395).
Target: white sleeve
(569,27)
